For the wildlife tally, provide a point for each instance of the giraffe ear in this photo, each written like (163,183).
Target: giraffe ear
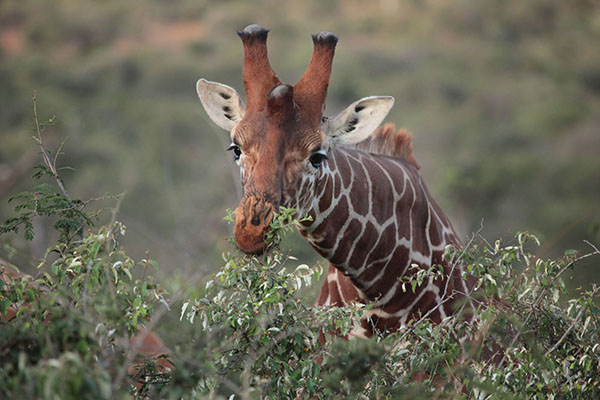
(358,121)
(221,102)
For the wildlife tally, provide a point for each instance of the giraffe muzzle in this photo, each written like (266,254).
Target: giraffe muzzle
(252,223)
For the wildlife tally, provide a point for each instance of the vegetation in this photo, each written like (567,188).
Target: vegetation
(525,337)
(64,331)
(503,98)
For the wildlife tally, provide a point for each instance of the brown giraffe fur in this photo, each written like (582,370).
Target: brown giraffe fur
(372,216)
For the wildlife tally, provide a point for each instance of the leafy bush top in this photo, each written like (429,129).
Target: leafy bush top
(257,339)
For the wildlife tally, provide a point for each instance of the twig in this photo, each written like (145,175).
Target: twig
(116,208)
(543,291)
(575,320)
(135,347)
(51,166)
(592,246)
(455,262)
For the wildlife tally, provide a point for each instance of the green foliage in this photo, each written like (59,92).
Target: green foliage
(44,201)
(502,97)
(264,337)
(520,335)
(525,339)
(283,222)
(74,318)
(63,332)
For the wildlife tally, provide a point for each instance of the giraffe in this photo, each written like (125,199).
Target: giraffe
(371,215)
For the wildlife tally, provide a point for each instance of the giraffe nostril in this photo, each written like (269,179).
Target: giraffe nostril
(255,220)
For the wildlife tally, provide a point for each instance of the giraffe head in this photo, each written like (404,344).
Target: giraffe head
(280,138)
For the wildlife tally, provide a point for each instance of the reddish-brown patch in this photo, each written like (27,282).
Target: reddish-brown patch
(148,346)
(362,247)
(359,191)
(349,291)
(402,205)
(327,229)
(385,325)
(345,246)
(426,303)
(327,196)
(383,205)
(12,40)
(418,216)
(322,298)
(345,170)
(388,141)
(394,271)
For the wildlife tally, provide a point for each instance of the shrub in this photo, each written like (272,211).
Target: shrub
(70,340)
(524,336)
(64,331)
(526,339)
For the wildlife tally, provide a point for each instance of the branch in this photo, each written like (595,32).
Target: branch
(133,348)
(49,163)
(575,320)
(540,297)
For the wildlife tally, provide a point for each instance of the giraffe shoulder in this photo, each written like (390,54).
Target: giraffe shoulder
(388,141)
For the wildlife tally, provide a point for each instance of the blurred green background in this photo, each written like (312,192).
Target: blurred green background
(502,97)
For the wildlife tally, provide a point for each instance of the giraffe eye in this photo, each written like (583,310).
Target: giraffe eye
(237,152)
(317,158)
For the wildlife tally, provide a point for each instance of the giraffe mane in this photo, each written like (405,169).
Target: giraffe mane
(388,141)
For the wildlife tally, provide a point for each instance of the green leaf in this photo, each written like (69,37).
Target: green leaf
(128,273)
(20,195)
(95,247)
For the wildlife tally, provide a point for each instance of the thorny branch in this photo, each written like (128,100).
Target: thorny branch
(133,349)
(541,294)
(575,320)
(51,165)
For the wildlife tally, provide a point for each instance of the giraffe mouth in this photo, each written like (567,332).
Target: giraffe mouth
(252,223)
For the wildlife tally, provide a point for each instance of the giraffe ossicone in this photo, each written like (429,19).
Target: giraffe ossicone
(372,215)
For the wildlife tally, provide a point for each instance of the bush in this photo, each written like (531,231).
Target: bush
(64,331)
(525,339)
(263,338)
(524,336)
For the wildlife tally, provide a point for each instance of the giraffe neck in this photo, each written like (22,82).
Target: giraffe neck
(373,218)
